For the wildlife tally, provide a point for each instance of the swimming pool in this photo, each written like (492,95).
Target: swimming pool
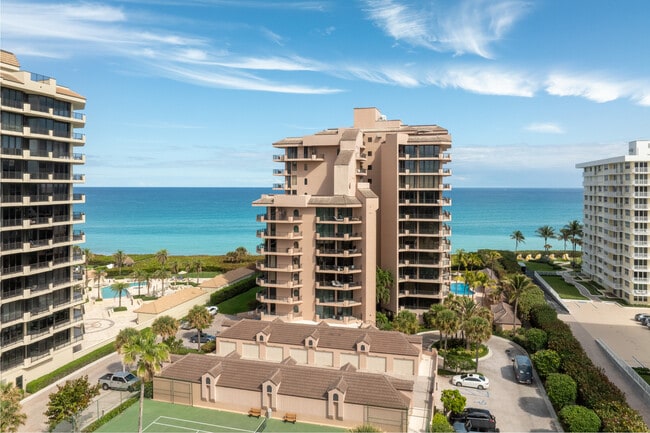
(461,289)
(108,293)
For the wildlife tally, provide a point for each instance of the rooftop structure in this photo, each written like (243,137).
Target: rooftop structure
(41,287)
(615,249)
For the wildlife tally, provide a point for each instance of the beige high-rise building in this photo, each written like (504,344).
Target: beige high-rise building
(352,199)
(41,293)
(615,249)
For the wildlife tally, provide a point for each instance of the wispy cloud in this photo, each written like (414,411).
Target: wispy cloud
(467,26)
(545,128)
(485,80)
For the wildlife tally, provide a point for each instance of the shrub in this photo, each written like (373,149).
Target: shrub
(561,389)
(579,419)
(541,315)
(440,423)
(453,400)
(535,339)
(617,416)
(233,290)
(546,362)
(209,347)
(365,428)
(118,309)
(148,389)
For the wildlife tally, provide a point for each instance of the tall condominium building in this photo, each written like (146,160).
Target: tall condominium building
(615,240)
(352,199)
(41,295)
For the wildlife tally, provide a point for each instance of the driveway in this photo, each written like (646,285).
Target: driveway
(516,407)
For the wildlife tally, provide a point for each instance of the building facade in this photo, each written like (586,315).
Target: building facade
(615,235)
(350,200)
(41,290)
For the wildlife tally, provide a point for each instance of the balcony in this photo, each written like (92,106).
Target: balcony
(261,266)
(353,252)
(264,234)
(261,249)
(290,284)
(330,269)
(338,303)
(287,300)
(338,285)
(281,218)
(339,219)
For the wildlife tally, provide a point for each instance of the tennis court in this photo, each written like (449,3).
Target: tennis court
(162,417)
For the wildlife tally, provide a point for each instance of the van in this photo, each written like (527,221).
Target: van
(523,369)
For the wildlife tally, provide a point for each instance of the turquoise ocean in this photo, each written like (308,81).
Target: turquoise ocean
(192,221)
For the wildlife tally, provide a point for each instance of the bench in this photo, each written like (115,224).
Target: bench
(254,412)
(289,417)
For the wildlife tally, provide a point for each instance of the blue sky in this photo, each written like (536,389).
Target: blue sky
(194,92)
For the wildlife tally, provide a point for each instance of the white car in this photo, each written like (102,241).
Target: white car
(213,310)
(471,380)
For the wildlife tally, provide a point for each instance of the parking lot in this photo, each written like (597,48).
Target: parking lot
(517,407)
(214,329)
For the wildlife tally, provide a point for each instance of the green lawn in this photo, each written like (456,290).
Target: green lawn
(564,289)
(239,303)
(536,266)
(168,418)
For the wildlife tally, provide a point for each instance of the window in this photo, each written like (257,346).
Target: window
(207,381)
(363,347)
(369,167)
(261,338)
(311,343)
(305,181)
(269,389)
(335,397)
(370,153)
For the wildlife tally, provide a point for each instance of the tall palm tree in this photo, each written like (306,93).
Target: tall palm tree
(478,330)
(165,326)
(473,261)
(162,275)
(119,288)
(447,322)
(461,257)
(242,253)
(122,338)
(514,286)
(575,236)
(161,257)
(199,317)
(384,282)
(11,415)
(564,235)
(119,258)
(99,274)
(149,356)
(88,257)
(519,238)
(546,232)
(139,276)
(198,267)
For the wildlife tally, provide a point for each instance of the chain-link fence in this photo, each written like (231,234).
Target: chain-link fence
(104,403)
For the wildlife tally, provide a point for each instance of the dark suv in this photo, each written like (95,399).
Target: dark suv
(475,419)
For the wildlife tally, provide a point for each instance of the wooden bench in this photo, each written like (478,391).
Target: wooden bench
(289,417)
(254,412)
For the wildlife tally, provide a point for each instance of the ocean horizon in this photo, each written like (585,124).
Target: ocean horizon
(215,220)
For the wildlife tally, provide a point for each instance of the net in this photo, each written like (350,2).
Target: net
(262,426)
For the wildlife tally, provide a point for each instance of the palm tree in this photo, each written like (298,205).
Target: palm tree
(546,232)
(447,322)
(242,253)
(198,267)
(199,317)
(478,330)
(564,235)
(119,258)
(11,415)
(99,274)
(514,286)
(161,257)
(575,236)
(473,261)
(139,276)
(119,288)
(149,356)
(461,258)
(88,256)
(162,275)
(518,237)
(165,326)
(384,282)
(122,338)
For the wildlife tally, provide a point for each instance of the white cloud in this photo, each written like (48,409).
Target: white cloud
(486,81)
(594,89)
(545,128)
(467,26)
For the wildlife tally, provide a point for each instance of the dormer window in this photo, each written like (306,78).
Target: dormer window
(311,343)
(261,338)
(363,348)
(269,389)
(335,397)
(207,381)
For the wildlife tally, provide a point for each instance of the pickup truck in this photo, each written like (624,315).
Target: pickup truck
(123,381)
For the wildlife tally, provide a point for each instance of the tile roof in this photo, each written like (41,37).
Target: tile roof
(298,381)
(227,278)
(170,301)
(503,314)
(65,91)
(329,337)
(9,58)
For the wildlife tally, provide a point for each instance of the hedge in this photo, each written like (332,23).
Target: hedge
(233,290)
(50,378)
(110,415)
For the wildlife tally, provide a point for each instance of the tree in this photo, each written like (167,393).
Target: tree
(383,323)
(406,321)
(491,257)
(579,419)
(11,411)
(562,390)
(162,275)
(99,274)
(384,284)
(198,267)
(149,356)
(241,253)
(453,401)
(546,232)
(477,330)
(564,236)
(200,318)
(119,258)
(529,299)
(69,402)
(119,288)
(461,258)
(161,258)
(518,237)
(439,423)
(574,228)
(447,322)
(165,326)
(546,361)
(88,256)
(139,276)
(515,285)
(535,339)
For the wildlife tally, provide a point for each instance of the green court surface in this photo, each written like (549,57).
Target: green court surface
(176,418)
